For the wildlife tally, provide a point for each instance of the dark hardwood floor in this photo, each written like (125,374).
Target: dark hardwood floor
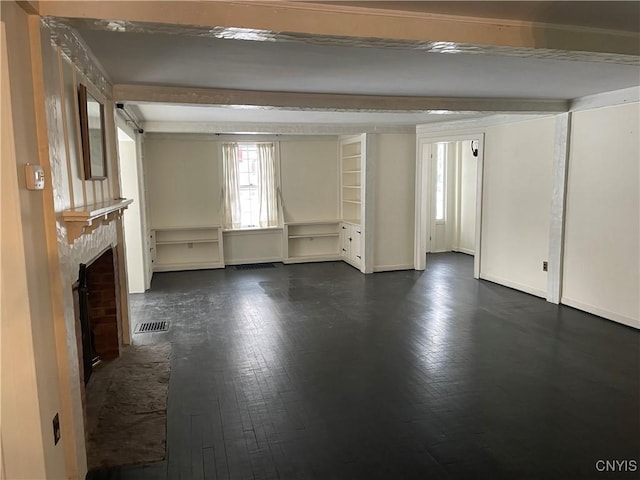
(317,371)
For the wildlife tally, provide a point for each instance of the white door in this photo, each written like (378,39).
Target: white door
(440,206)
(356,244)
(345,249)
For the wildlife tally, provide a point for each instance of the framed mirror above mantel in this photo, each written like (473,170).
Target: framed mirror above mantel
(92,134)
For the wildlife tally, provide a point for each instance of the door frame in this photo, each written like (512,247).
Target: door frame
(423,196)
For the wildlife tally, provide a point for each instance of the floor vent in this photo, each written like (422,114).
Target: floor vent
(150,327)
(255,266)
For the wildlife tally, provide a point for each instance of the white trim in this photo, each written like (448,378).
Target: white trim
(422,206)
(244,261)
(473,125)
(606,99)
(466,251)
(392,268)
(606,314)
(515,285)
(558,207)
(423,198)
(477,265)
(367,213)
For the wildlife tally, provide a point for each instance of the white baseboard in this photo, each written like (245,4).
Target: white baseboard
(243,261)
(609,315)
(514,285)
(392,268)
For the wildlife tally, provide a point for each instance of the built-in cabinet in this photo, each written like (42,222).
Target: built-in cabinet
(353,165)
(312,241)
(187,248)
(325,186)
(351,243)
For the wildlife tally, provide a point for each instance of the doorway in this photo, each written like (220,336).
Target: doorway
(448,197)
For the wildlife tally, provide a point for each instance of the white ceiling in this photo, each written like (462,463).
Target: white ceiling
(170,59)
(164,59)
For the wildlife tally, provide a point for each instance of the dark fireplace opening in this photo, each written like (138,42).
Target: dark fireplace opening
(98,312)
(89,356)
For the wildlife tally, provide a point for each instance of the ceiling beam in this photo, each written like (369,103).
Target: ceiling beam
(335,20)
(335,102)
(32,7)
(312,129)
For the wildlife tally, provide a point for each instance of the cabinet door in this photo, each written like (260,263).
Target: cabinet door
(345,243)
(356,244)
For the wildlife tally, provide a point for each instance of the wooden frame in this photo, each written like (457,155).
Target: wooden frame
(92,134)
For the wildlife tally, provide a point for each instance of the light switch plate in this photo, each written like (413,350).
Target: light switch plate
(34,175)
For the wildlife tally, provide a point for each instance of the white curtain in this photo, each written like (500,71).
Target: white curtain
(230,190)
(267,186)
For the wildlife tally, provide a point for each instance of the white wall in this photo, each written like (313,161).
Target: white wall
(309,174)
(182,178)
(252,246)
(133,225)
(184,184)
(601,258)
(394,202)
(467,198)
(516,204)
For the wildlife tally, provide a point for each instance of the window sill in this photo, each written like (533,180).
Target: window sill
(251,231)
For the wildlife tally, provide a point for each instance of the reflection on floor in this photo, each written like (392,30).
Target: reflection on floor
(318,371)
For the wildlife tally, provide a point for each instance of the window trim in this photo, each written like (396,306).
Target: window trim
(276,148)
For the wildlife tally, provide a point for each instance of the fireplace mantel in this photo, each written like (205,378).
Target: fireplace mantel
(85,219)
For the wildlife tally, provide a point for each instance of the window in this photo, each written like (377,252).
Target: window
(250,195)
(248,185)
(441,154)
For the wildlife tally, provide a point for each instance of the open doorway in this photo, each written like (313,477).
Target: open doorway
(448,198)
(133,221)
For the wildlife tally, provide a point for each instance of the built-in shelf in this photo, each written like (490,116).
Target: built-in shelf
(351,171)
(312,241)
(314,235)
(85,219)
(356,202)
(176,242)
(187,248)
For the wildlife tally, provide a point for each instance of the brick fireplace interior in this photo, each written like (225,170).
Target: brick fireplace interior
(97,312)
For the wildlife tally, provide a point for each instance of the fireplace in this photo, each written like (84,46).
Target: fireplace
(98,312)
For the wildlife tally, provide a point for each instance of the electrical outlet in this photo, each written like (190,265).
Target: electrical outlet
(545,266)
(56,429)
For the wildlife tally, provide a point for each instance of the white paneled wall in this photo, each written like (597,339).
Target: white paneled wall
(183,181)
(394,202)
(601,262)
(309,173)
(516,203)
